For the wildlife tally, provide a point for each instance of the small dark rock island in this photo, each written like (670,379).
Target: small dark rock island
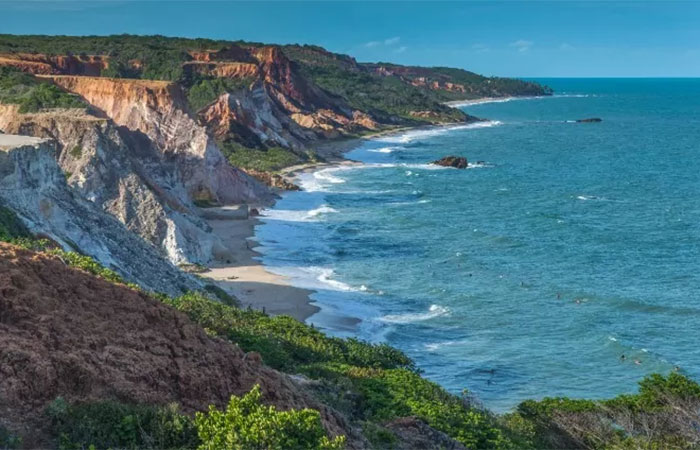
(590,120)
(458,162)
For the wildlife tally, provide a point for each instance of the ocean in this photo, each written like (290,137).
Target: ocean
(562,247)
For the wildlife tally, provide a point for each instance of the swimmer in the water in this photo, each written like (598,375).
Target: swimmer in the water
(622,357)
(558,296)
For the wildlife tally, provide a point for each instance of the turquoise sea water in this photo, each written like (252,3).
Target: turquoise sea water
(530,273)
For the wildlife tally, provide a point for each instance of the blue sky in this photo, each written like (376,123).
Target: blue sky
(513,38)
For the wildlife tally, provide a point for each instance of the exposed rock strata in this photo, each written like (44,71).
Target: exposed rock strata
(32,185)
(115,169)
(158,110)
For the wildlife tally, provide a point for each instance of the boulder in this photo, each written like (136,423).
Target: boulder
(458,162)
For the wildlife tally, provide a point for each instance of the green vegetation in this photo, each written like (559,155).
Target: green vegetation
(265,159)
(33,94)
(204,90)
(284,343)
(11,227)
(9,441)
(248,424)
(383,97)
(664,415)
(117,425)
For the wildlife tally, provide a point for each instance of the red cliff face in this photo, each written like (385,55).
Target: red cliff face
(39,64)
(66,333)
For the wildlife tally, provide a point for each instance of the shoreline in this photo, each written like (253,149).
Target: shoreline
(246,277)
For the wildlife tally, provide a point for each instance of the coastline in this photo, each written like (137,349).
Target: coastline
(245,276)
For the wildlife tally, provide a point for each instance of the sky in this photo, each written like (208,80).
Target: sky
(505,38)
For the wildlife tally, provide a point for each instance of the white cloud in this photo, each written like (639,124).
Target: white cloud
(522,45)
(388,42)
(401,49)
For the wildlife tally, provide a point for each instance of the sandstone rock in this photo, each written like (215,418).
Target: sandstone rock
(458,162)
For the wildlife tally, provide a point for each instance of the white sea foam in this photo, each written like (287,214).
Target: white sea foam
(320,180)
(413,135)
(433,312)
(384,150)
(314,277)
(589,197)
(287,215)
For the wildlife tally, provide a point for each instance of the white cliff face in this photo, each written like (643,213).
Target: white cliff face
(157,110)
(112,168)
(34,187)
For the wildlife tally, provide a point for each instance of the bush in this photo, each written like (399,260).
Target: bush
(33,94)
(664,414)
(393,393)
(264,160)
(118,425)
(248,424)
(204,90)
(284,343)
(9,441)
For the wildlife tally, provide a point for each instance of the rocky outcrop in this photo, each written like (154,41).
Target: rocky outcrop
(35,188)
(274,180)
(158,111)
(39,64)
(66,333)
(254,119)
(234,70)
(458,162)
(108,166)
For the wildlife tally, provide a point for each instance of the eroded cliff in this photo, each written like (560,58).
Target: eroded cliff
(35,188)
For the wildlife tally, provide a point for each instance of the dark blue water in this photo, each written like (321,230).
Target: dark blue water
(528,274)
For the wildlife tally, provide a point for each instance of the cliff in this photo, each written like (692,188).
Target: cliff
(158,110)
(64,333)
(35,188)
(249,97)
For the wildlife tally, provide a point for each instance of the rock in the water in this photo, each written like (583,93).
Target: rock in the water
(458,162)
(590,120)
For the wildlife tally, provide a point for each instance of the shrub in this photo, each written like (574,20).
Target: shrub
(33,94)
(248,424)
(389,394)
(284,343)
(117,425)
(264,160)
(9,441)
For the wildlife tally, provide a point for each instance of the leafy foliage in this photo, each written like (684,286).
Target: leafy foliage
(248,424)
(386,394)
(33,94)
(268,159)
(118,425)
(204,90)
(10,226)
(284,343)
(9,441)
(664,414)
